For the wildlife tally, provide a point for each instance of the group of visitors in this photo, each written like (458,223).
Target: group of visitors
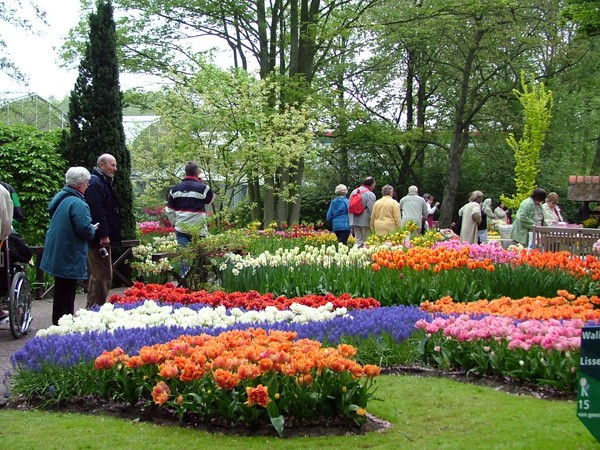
(386,215)
(540,209)
(362,213)
(84,224)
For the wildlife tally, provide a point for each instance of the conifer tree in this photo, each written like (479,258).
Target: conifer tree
(96,111)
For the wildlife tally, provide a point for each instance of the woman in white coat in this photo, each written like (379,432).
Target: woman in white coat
(470,216)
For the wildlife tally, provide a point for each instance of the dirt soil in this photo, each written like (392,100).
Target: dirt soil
(503,384)
(96,405)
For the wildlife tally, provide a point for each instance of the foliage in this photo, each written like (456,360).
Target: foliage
(537,103)
(26,151)
(17,14)
(96,114)
(437,68)
(585,14)
(235,133)
(315,202)
(591,222)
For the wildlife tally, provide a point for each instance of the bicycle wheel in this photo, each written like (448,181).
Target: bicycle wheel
(19,307)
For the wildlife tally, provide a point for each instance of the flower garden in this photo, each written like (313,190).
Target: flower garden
(297,329)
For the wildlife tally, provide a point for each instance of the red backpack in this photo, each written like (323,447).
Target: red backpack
(356,206)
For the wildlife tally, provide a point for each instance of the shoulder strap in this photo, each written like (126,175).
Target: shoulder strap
(60,201)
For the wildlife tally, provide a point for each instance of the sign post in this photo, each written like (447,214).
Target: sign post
(588,389)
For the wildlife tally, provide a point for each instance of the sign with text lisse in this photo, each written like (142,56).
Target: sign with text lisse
(588,390)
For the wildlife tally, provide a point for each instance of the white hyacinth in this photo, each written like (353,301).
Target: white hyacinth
(150,313)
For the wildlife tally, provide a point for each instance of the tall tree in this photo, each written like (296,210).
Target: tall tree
(96,111)
(292,40)
(464,58)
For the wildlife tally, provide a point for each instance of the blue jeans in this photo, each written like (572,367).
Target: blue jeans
(183,239)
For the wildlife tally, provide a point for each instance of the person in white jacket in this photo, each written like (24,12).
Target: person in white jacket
(552,213)
(6,213)
(6,217)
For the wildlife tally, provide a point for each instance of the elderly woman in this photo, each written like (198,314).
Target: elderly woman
(486,214)
(552,214)
(530,214)
(470,216)
(385,217)
(337,214)
(66,244)
(500,213)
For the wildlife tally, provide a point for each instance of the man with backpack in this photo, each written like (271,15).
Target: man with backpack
(361,204)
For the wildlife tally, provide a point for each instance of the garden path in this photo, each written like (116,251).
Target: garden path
(41,313)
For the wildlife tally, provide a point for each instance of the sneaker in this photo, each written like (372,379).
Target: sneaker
(3,314)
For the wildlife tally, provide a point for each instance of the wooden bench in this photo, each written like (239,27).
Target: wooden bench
(578,241)
(38,251)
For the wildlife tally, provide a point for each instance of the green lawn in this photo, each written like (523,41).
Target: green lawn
(426,413)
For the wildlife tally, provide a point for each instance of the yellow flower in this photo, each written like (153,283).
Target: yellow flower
(361,412)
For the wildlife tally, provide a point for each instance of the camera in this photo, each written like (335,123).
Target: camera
(103,252)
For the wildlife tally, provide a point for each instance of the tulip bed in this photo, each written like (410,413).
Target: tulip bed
(300,333)
(212,362)
(399,275)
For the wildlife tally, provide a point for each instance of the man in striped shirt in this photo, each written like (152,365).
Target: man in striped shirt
(186,205)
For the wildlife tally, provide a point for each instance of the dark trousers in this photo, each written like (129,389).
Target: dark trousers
(342,236)
(64,298)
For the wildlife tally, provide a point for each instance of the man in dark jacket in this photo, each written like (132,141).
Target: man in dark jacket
(104,207)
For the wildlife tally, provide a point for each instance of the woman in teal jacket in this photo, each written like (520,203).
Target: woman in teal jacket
(529,215)
(66,243)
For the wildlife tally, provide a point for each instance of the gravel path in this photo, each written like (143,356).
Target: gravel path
(41,313)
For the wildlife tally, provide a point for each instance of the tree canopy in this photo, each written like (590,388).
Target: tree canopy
(95,111)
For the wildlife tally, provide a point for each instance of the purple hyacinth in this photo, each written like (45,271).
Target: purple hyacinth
(74,348)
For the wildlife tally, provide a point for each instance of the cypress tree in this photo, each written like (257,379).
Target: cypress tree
(96,111)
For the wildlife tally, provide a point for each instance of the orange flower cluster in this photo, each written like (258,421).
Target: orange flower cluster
(563,306)
(160,393)
(578,267)
(238,355)
(258,395)
(436,259)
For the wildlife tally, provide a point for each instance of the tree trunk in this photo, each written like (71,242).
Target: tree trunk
(269,201)
(460,135)
(294,210)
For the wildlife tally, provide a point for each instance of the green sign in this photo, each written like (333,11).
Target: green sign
(588,391)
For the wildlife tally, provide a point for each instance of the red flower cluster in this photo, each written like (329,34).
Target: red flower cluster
(251,300)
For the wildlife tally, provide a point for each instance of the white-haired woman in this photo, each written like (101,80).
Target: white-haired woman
(337,214)
(385,217)
(470,214)
(66,244)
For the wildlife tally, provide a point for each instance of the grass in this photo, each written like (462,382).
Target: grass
(426,413)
